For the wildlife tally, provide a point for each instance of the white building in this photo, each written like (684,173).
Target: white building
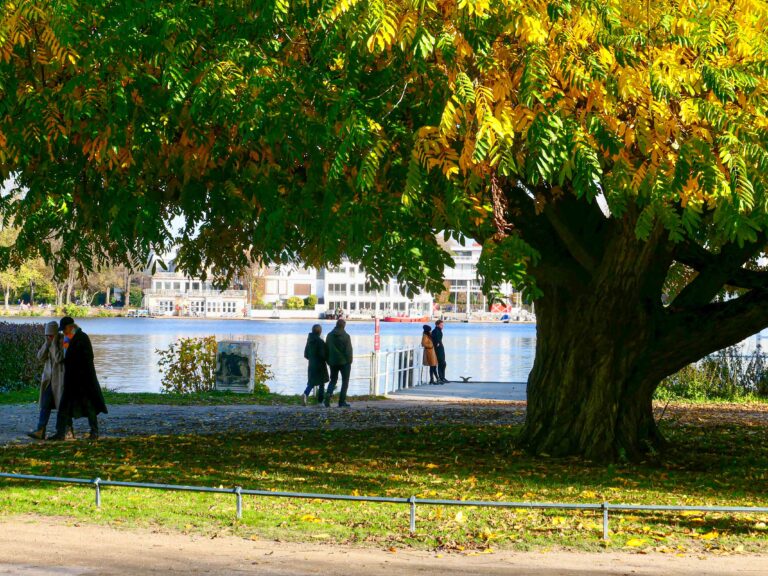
(462,280)
(173,293)
(345,288)
(281,283)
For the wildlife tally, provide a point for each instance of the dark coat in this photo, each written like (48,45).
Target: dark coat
(437,340)
(81,387)
(317,369)
(339,347)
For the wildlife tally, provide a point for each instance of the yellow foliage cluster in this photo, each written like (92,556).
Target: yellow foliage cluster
(661,79)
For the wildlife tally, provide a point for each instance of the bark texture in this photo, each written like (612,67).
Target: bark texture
(605,339)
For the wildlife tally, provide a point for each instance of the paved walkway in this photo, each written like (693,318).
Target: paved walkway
(501,391)
(145,420)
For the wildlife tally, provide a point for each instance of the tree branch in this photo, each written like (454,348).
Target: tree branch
(690,334)
(716,271)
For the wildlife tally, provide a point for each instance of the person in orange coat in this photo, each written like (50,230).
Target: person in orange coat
(430,357)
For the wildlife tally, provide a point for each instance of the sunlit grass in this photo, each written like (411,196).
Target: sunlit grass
(709,465)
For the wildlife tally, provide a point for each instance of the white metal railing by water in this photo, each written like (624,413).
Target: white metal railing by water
(388,371)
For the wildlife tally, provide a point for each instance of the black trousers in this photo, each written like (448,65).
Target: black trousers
(345,370)
(441,365)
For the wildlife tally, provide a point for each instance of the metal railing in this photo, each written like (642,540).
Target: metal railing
(396,370)
(412,501)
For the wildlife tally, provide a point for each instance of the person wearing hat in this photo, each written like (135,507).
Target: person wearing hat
(437,341)
(51,354)
(82,395)
(430,357)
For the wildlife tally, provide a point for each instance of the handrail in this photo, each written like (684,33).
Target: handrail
(411,501)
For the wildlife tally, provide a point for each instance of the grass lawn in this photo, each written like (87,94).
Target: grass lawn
(213,398)
(710,464)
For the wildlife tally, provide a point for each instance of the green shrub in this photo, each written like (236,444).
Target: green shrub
(294,303)
(188,366)
(726,375)
(310,301)
(19,366)
(72,310)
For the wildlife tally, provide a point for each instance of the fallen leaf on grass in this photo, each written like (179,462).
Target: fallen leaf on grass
(636,542)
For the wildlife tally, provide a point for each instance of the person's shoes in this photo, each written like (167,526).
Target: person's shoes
(444,381)
(70,434)
(56,437)
(37,434)
(344,405)
(94,435)
(327,403)
(304,399)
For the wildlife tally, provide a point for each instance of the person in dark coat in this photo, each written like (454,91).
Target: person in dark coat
(339,353)
(82,393)
(317,369)
(437,341)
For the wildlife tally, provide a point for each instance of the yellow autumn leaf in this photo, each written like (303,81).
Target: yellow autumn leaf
(709,535)
(636,542)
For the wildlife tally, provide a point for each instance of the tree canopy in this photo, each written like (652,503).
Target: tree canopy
(592,146)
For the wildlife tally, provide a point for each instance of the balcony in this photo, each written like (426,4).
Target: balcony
(196,293)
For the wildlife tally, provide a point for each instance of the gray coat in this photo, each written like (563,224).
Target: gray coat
(52,356)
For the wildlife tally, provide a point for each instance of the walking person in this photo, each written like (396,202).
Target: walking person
(51,354)
(82,395)
(437,341)
(339,353)
(430,357)
(317,369)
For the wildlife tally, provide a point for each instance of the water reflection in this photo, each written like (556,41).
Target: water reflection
(126,357)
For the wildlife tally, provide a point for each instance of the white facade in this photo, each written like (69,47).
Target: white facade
(281,283)
(462,279)
(176,294)
(345,289)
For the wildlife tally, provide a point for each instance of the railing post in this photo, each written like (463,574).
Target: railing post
(239,495)
(412,502)
(97,486)
(605,520)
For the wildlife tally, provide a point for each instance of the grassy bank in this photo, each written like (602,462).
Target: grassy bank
(710,464)
(213,398)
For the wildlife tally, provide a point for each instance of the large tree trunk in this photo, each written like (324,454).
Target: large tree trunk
(590,389)
(605,339)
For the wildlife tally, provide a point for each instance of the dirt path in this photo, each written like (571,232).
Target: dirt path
(148,419)
(36,546)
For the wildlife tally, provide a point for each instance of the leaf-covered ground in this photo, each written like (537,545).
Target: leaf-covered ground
(711,462)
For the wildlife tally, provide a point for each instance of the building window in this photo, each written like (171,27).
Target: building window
(302,289)
(195,285)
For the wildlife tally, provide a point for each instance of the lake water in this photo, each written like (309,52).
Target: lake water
(126,358)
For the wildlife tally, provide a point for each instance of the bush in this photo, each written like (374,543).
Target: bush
(19,366)
(725,375)
(294,303)
(188,366)
(310,301)
(72,310)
